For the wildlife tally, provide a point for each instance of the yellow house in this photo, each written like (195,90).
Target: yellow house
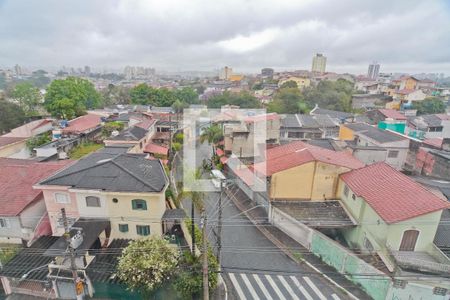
(236,77)
(126,189)
(408,83)
(302,82)
(300,171)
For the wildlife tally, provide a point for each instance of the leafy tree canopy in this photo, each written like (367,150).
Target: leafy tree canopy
(146,263)
(70,97)
(147,95)
(243,100)
(27,96)
(212,134)
(11,115)
(335,95)
(289,84)
(115,94)
(431,105)
(288,101)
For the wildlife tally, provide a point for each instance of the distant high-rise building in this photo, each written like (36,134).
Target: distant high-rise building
(374,70)
(319,63)
(225,73)
(87,70)
(267,72)
(18,70)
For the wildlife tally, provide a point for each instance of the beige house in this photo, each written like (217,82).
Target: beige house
(302,82)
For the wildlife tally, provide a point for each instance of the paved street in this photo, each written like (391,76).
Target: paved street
(253,267)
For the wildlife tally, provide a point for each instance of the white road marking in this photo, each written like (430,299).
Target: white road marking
(262,287)
(249,286)
(275,287)
(288,288)
(314,288)
(335,297)
(301,288)
(237,286)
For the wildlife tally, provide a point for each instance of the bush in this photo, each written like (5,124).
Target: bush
(109,127)
(39,140)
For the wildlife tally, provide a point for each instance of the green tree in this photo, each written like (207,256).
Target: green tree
(28,96)
(431,105)
(289,84)
(187,95)
(213,134)
(243,100)
(71,97)
(335,95)
(11,115)
(147,263)
(39,140)
(109,127)
(140,94)
(115,94)
(288,101)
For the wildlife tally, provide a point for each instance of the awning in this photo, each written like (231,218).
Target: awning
(174,214)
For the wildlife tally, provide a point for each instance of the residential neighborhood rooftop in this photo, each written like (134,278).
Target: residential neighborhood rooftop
(297,153)
(84,123)
(393,195)
(9,140)
(17,178)
(112,172)
(392,113)
(134,133)
(376,134)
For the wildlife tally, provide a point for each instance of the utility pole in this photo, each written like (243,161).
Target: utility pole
(70,251)
(205,258)
(219,229)
(170,135)
(193,227)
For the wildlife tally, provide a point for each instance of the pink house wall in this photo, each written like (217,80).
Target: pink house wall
(54,209)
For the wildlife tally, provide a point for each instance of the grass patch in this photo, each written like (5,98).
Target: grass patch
(8,252)
(84,149)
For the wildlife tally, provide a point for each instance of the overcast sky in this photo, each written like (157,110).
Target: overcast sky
(177,35)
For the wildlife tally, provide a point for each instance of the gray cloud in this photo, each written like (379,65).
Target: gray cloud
(409,36)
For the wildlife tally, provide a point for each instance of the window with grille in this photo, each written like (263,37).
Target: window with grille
(398,283)
(143,229)
(123,227)
(139,204)
(440,291)
(393,153)
(346,191)
(4,223)
(62,198)
(92,201)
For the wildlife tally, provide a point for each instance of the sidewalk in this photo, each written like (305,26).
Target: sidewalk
(259,217)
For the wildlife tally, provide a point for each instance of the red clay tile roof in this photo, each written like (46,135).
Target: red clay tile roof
(392,113)
(8,140)
(298,153)
(4,161)
(219,152)
(44,122)
(245,175)
(153,148)
(16,183)
(394,196)
(224,160)
(435,142)
(405,91)
(146,123)
(258,118)
(443,117)
(83,123)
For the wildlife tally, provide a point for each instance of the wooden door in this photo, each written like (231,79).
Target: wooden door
(409,240)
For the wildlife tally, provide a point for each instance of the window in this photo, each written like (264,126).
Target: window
(92,201)
(440,291)
(353,197)
(143,230)
(123,227)
(4,223)
(399,283)
(139,204)
(393,153)
(346,191)
(62,198)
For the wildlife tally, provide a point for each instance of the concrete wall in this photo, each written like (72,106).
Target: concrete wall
(12,149)
(401,146)
(295,229)
(92,212)
(370,156)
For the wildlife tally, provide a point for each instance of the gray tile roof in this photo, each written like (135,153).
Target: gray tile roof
(130,134)
(307,121)
(426,121)
(442,237)
(112,172)
(379,135)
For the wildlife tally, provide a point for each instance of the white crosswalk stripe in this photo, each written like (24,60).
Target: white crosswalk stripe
(287,287)
(301,288)
(275,287)
(261,286)
(237,286)
(314,288)
(249,286)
